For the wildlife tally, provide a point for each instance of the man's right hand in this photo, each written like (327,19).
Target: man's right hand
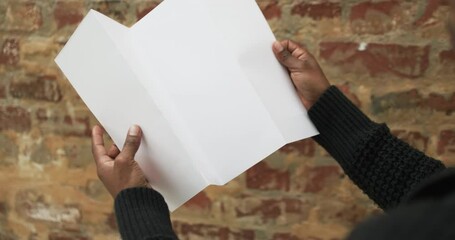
(306,74)
(117,169)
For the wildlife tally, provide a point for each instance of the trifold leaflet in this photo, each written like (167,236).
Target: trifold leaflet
(201,80)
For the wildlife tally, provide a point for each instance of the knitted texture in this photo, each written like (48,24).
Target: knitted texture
(143,214)
(384,167)
(388,170)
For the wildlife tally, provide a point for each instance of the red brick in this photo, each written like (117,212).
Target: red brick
(375,59)
(346,89)
(318,11)
(440,103)
(14,118)
(2,92)
(268,210)
(79,155)
(446,143)
(9,151)
(144,8)
(68,13)
(270,9)
(43,88)
(319,177)
(64,235)
(447,56)
(95,189)
(451,27)
(81,127)
(205,231)
(41,115)
(353,213)
(3,9)
(375,17)
(23,16)
(9,54)
(2,209)
(447,61)
(413,99)
(304,147)
(262,177)
(200,201)
(7,234)
(41,154)
(111,221)
(117,10)
(63,124)
(415,139)
(285,236)
(430,8)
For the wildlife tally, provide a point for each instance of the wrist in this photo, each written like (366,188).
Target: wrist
(310,96)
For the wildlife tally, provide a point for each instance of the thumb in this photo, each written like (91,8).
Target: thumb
(285,57)
(132,143)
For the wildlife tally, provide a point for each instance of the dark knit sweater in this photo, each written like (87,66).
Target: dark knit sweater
(417,191)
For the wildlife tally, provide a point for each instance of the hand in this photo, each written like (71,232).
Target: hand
(306,74)
(118,170)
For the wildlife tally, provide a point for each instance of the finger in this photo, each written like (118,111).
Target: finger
(147,183)
(285,56)
(291,46)
(113,151)
(296,50)
(132,143)
(98,149)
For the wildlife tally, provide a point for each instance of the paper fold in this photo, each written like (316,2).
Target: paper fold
(201,80)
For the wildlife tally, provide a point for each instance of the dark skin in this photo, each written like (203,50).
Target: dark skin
(305,72)
(118,170)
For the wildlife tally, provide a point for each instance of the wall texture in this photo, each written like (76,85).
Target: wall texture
(391,57)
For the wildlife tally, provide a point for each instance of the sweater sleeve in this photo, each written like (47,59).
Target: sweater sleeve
(142,213)
(385,168)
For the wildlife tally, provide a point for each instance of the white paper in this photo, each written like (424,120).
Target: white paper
(201,80)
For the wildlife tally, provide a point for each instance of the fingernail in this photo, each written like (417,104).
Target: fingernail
(96,129)
(134,130)
(278,46)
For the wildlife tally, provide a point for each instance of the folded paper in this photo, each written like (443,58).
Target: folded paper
(201,80)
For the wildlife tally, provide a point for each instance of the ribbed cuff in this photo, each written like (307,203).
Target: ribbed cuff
(142,213)
(340,123)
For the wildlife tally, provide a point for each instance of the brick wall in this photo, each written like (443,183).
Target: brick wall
(391,57)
